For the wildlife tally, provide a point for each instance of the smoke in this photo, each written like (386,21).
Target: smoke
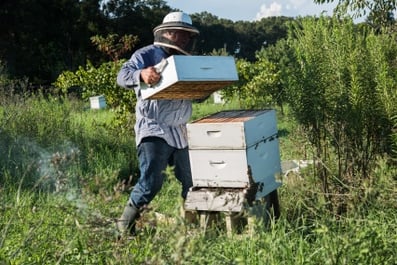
(26,163)
(57,168)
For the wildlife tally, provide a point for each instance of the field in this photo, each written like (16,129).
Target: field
(66,172)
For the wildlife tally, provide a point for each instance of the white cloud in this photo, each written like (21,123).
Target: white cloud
(297,4)
(273,10)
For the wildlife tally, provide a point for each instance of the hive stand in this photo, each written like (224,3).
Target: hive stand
(262,212)
(251,214)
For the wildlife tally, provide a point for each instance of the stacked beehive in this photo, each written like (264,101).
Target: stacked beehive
(234,157)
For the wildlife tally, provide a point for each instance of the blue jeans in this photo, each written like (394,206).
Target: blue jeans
(154,154)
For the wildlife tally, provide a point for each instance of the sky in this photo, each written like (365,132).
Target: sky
(251,10)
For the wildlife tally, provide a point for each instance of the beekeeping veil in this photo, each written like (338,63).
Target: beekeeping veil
(175,21)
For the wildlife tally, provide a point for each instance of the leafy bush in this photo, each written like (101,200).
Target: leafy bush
(339,81)
(342,89)
(101,80)
(255,88)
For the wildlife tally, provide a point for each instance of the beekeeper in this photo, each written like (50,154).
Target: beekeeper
(160,128)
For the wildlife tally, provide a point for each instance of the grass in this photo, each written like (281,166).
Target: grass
(91,162)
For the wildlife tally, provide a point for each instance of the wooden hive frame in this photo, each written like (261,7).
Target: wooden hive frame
(190,90)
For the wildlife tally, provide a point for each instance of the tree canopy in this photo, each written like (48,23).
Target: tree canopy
(379,12)
(39,39)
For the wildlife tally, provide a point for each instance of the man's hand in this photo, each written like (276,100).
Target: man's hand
(150,76)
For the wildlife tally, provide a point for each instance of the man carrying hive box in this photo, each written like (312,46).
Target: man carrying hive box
(160,128)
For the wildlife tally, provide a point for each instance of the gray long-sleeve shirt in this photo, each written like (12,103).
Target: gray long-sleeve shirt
(161,118)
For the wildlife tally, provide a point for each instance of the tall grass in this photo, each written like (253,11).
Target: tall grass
(53,140)
(70,219)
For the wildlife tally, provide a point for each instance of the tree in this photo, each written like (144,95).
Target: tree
(135,17)
(380,11)
(40,38)
(113,45)
(281,56)
(210,26)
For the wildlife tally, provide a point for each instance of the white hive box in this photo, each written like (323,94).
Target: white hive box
(192,77)
(98,102)
(233,149)
(235,129)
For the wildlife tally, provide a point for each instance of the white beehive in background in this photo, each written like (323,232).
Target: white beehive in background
(191,77)
(233,151)
(97,102)
(218,99)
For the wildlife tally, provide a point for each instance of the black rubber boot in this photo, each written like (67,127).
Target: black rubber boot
(126,223)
